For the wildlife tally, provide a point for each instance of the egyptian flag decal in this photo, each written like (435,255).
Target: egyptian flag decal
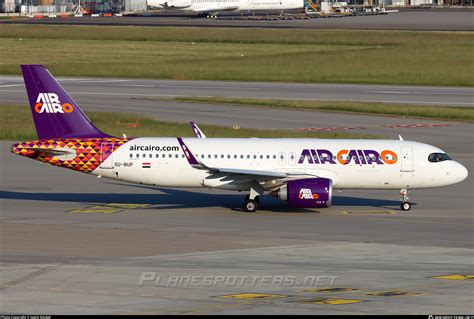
(146,165)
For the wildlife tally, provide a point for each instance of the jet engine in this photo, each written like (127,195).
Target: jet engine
(306,193)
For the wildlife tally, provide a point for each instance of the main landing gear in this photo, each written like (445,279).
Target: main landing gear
(251,205)
(252,201)
(405,205)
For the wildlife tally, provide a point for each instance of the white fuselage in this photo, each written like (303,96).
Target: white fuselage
(223,5)
(402,164)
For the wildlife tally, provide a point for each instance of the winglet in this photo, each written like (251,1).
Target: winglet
(189,156)
(400,137)
(197,130)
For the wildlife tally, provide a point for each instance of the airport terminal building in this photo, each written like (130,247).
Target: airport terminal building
(93,6)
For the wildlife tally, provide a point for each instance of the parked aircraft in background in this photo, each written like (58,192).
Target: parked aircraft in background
(211,8)
(302,172)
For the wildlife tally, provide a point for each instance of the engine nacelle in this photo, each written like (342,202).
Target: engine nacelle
(306,193)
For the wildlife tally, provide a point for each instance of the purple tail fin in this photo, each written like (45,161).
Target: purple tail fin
(55,113)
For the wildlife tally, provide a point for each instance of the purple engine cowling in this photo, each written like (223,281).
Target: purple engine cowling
(306,193)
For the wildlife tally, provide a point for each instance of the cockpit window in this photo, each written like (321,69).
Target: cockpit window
(438,157)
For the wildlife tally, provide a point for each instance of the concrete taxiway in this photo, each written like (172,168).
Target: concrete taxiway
(118,90)
(421,19)
(72,243)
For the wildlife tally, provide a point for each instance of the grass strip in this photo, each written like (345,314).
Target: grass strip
(308,56)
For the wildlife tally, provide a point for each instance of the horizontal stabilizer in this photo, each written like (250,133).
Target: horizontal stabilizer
(62,154)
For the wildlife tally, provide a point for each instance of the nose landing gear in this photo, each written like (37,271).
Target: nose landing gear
(405,205)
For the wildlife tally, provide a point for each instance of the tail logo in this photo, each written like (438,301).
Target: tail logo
(49,103)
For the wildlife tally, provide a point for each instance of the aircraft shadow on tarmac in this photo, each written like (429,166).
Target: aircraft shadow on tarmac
(179,198)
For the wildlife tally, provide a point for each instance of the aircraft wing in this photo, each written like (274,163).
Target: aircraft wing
(195,163)
(250,172)
(217,9)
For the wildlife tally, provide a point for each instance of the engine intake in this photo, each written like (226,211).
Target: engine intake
(306,193)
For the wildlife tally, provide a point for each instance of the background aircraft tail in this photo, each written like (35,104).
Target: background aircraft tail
(55,113)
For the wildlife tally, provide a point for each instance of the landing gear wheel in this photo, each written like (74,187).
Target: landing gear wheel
(257,199)
(405,206)
(250,205)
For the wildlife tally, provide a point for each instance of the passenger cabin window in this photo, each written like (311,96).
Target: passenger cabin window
(438,157)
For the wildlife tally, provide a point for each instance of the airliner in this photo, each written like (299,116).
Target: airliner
(302,172)
(211,8)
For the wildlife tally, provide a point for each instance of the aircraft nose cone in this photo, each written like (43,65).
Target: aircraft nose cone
(461,173)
